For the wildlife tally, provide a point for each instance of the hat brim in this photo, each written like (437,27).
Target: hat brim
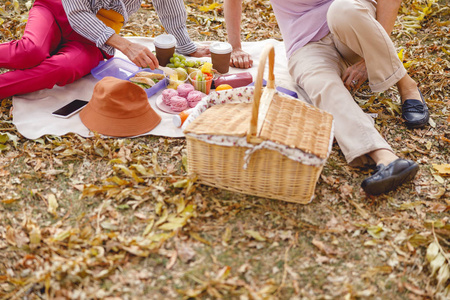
(116,127)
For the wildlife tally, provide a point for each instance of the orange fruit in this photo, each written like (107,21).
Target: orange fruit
(224,87)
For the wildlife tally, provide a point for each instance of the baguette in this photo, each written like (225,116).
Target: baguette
(150,75)
(144,80)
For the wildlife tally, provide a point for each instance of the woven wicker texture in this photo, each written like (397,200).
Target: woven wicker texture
(298,125)
(269,173)
(224,119)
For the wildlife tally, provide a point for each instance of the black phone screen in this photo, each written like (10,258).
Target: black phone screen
(70,109)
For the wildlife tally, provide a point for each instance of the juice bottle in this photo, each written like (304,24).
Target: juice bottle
(179,119)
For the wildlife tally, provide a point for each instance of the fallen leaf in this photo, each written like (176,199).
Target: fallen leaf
(324,247)
(256,235)
(443,170)
(52,204)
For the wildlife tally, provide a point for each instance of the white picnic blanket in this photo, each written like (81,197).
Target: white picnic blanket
(32,112)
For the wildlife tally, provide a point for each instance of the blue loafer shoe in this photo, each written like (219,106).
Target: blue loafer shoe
(388,178)
(415,112)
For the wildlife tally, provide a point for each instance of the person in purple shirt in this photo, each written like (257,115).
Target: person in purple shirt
(334,46)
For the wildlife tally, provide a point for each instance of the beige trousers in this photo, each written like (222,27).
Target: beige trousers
(318,66)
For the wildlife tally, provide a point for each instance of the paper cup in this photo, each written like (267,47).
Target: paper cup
(220,56)
(165,48)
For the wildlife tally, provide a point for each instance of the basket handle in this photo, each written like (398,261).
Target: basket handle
(268,52)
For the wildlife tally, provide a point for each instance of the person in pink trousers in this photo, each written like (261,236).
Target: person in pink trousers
(65,39)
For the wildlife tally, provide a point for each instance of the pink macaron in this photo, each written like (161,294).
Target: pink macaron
(167,94)
(178,103)
(184,89)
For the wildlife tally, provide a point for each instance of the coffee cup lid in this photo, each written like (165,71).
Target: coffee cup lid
(220,48)
(165,41)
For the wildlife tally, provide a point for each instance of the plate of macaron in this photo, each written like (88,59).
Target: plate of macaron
(174,101)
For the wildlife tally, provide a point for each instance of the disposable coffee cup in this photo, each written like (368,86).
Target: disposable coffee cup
(220,56)
(165,48)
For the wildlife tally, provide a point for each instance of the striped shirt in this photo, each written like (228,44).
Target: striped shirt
(82,17)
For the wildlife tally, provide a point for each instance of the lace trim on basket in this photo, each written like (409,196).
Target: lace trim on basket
(233,141)
(245,95)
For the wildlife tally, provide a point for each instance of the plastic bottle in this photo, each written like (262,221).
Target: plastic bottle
(179,119)
(234,79)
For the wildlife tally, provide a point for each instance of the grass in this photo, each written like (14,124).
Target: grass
(114,234)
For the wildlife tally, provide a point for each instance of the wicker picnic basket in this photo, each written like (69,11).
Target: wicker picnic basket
(274,147)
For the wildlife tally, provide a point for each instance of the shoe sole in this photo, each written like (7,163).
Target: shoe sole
(393,182)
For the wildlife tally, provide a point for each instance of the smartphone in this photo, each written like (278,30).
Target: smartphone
(70,109)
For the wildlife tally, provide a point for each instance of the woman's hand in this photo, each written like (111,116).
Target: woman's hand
(140,55)
(355,75)
(240,59)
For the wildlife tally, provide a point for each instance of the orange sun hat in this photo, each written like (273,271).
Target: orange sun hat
(119,108)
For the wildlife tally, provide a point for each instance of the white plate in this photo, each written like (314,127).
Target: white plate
(165,108)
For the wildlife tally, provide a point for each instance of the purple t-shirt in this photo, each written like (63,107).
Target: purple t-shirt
(301,21)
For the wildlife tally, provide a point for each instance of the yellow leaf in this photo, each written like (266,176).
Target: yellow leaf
(432,122)
(442,169)
(268,289)
(211,7)
(161,237)
(256,235)
(371,243)
(436,263)
(142,170)
(62,236)
(227,235)
(128,173)
(438,178)
(410,205)
(188,211)
(197,237)
(432,251)
(16,6)
(171,226)
(223,273)
(377,232)
(9,201)
(181,183)
(118,181)
(35,235)
(149,227)
(443,275)
(165,215)
(11,236)
(181,204)
(52,204)
(400,54)
(116,161)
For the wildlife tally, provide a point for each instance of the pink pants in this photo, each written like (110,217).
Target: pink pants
(49,53)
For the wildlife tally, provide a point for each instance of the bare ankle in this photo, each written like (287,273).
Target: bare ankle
(407,88)
(383,156)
